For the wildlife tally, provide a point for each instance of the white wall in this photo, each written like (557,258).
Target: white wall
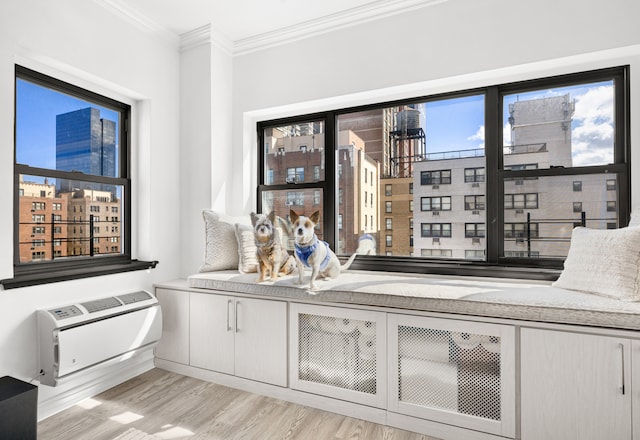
(448,46)
(205,139)
(81,42)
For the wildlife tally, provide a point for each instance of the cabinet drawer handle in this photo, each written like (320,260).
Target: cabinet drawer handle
(236,323)
(229,302)
(621,345)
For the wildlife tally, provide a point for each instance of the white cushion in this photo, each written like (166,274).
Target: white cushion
(604,262)
(247,258)
(221,251)
(635,218)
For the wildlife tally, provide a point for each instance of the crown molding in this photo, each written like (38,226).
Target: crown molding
(329,23)
(138,19)
(206,35)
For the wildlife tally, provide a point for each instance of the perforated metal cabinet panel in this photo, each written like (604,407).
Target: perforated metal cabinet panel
(339,353)
(453,371)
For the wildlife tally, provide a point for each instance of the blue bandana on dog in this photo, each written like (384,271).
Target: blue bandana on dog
(304,252)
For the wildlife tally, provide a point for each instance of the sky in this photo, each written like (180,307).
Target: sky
(36,110)
(458,124)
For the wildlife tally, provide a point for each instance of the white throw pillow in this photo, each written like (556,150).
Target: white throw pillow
(248,260)
(604,262)
(221,251)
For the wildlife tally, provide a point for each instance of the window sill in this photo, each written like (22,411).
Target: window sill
(454,267)
(52,275)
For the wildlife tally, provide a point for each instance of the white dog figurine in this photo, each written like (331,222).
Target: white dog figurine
(314,253)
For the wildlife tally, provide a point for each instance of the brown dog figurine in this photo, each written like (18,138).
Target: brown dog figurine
(273,258)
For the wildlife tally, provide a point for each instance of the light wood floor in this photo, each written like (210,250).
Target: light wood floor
(178,407)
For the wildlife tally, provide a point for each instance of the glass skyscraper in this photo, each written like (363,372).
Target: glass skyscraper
(86,143)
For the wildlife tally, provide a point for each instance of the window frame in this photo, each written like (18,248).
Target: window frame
(496,262)
(442,205)
(441,228)
(43,272)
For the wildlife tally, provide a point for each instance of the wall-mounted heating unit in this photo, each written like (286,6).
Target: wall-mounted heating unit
(77,337)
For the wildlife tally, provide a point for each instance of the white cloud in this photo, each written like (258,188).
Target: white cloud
(592,135)
(506,134)
(478,136)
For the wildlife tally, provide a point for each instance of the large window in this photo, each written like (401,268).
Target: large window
(507,169)
(72,185)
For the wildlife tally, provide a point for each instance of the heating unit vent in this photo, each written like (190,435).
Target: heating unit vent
(74,338)
(134,297)
(101,304)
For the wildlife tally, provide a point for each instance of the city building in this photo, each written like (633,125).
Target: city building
(43,214)
(296,156)
(55,225)
(85,142)
(539,213)
(396,216)
(94,223)
(358,193)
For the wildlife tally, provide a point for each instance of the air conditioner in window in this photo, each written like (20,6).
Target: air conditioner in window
(475,212)
(475,241)
(475,185)
(436,212)
(436,240)
(519,182)
(435,187)
(519,211)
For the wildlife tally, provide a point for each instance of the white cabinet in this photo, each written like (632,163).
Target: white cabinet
(635,391)
(212,328)
(451,371)
(245,337)
(174,343)
(575,386)
(339,352)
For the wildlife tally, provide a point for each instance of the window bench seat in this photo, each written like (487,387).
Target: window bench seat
(487,297)
(451,357)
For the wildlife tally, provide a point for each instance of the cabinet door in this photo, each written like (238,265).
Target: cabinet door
(452,371)
(339,352)
(575,386)
(261,340)
(212,332)
(635,380)
(174,343)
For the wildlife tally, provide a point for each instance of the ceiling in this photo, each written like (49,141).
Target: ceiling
(240,21)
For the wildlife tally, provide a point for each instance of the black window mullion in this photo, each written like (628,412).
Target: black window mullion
(494,184)
(69,175)
(331,184)
(622,149)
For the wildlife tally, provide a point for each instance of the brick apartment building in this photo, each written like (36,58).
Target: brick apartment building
(61,225)
(42,232)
